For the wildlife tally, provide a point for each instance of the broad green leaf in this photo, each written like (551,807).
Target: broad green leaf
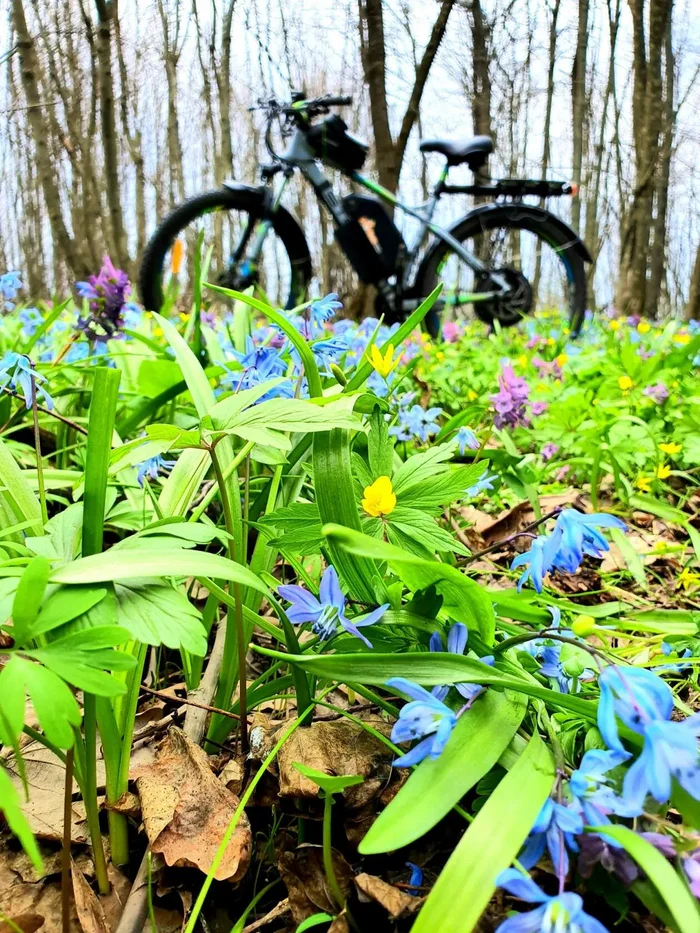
(224,414)
(330,783)
(29,596)
(380,449)
(631,557)
(672,888)
(477,742)
(182,485)
(428,669)
(157,614)
(657,507)
(125,565)
(468,880)
(464,600)
(65,604)
(105,392)
(96,639)
(314,920)
(195,377)
(19,500)
(76,667)
(16,820)
(53,702)
(421,467)
(519,606)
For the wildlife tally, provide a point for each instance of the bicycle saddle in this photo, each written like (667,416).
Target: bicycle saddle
(473,151)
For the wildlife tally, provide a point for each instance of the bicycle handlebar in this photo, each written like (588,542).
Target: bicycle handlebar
(295,109)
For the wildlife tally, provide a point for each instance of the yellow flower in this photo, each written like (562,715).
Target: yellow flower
(663,471)
(671,448)
(522,360)
(562,359)
(643,483)
(565,330)
(681,339)
(687,579)
(383,364)
(625,383)
(614,324)
(183,317)
(379,497)
(471,395)
(157,331)
(551,341)
(176,257)
(644,327)
(439,356)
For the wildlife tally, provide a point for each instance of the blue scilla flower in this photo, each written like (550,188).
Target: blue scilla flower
(31,319)
(538,560)
(327,612)
(591,790)
(10,284)
(426,718)
(483,484)
(323,309)
(465,437)
(562,913)
(416,422)
(18,375)
(675,668)
(580,535)
(554,830)
(326,352)
(457,644)
(152,466)
(644,703)
(258,365)
(416,879)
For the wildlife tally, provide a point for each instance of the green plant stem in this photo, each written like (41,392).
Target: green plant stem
(235,635)
(89,790)
(328,852)
(37,448)
(65,851)
(211,495)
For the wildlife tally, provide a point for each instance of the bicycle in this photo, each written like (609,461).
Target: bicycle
(486,259)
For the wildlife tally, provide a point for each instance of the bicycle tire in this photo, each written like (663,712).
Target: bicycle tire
(514,216)
(244,199)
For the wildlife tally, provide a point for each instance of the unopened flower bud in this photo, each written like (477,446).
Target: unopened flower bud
(583,626)
(340,376)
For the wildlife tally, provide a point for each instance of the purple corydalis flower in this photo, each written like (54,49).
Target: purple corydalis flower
(546,368)
(596,850)
(425,718)
(538,408)
(549,450)
(327,612)
(657,393)
(451,331)
(509,402)
(107,293)
(563,913)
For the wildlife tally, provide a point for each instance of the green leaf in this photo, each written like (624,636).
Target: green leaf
(380,450)
(53,702)
(672,888)
(299,527)
(64,605)
(477,742)
(182,485)
(425,532)
(29,596)
(421,467)
(519,606)
(631,557)
(464,600)
(195,377)
(76,667)
(656,507)
(105,391)
(16,820)
(172,562)
(157,614)
(314,920)
(330,783)
(15,493)
(468,880)
(428,669)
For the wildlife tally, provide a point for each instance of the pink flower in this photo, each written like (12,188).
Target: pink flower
(451,332)
(538,408)
(509,403)
(549,450)
(658,393)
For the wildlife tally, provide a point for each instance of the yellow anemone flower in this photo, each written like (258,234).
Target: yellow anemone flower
(663,471)
(471,395)
(383,364)
(688,578)
(380,498)
(176,257)
(671,448)
(522,360)
(625,383)
(643,327)
(681,339)
(562,359)
(644,483)
(614,324)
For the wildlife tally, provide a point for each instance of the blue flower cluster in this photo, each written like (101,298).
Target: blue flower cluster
(18,375)
(414,422)
(574,535)
(10,284)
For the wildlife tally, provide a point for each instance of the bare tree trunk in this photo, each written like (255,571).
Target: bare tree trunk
(65,244)
(578,108)
(647,112)
(105,16)
(481,79)
(692,308)
(658,249)
(389,155)
(171,57)
(223,80)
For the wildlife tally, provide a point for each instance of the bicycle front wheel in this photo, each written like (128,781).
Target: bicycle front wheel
(536,254)
(222,225)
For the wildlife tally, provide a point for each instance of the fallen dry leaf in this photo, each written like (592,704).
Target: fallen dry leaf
(26,923)
(514,520)
(395,902)
(186,810)
(303,874)
(91,915)
(338,748)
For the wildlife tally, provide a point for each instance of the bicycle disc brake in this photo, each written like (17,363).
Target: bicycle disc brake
(510,307)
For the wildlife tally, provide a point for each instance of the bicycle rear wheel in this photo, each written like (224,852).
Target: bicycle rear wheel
(531,249)
(224,221)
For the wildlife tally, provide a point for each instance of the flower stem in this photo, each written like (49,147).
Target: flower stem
(65,851)
(235,636)
(89,790)
(328,852)
(37,448)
